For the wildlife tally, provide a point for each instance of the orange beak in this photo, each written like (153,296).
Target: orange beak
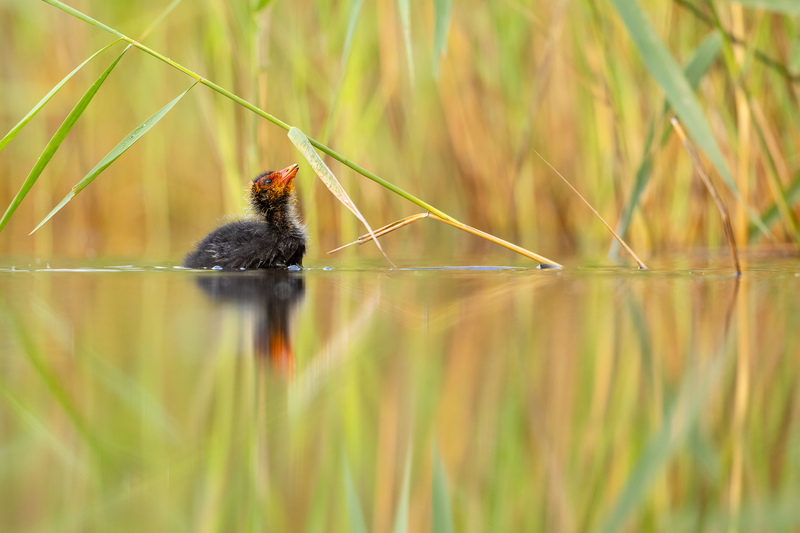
(282,177)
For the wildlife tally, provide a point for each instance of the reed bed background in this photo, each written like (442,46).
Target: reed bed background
(563,78)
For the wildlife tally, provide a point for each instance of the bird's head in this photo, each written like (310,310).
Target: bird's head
(273,190)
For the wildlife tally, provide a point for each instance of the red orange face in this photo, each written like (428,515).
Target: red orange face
(275,184)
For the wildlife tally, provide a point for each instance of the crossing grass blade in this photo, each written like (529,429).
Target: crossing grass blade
(57,139)
(38,107)
(301,142)
(114,154)
(678,92)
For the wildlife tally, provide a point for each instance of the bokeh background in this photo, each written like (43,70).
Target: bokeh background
(563,78)
(136,397)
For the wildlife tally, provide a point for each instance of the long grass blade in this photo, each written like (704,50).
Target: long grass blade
(678,91)
(301,142)
(354,512)
(405,23)
(56,141)
(114,154)
(723,210)
(789,7)
(705,55)
(443,10)
(614,233)
(442,514)
(38,107)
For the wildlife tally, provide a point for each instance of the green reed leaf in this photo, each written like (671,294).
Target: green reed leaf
(677,90)
(57,139)
(38,107)
(114,154)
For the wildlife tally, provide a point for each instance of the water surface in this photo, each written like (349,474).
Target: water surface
(152,398)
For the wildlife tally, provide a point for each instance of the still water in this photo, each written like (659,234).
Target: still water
(141,398)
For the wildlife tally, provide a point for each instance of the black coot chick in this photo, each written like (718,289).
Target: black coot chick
(273,237)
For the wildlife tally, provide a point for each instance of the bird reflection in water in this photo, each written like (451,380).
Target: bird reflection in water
(271,296)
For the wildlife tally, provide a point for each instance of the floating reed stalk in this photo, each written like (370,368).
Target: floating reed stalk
(639,262)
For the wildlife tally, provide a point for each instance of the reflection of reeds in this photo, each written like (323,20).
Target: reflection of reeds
(563,399)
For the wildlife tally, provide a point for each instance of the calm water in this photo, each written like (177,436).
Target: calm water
(592,399)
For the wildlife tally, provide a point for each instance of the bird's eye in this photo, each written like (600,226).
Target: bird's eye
(267,183)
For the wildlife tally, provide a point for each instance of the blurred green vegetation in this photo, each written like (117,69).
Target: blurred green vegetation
(562,77)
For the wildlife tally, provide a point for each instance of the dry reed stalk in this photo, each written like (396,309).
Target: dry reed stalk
(723,210)
(639,262)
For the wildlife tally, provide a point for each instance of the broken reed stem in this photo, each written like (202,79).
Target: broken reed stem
(701,171)
(380,232)
(639,262)
(388,228)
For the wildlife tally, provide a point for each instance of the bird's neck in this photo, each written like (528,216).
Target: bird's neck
(283,216)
